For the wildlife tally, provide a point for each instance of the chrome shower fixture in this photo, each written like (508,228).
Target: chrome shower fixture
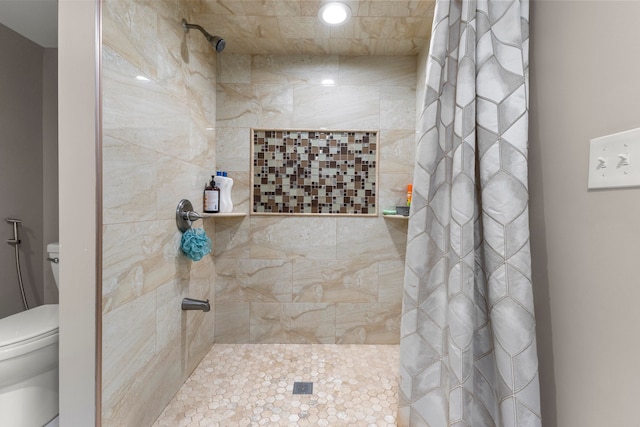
(218,43)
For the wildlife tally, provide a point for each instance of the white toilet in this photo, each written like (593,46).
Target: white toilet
(29,363)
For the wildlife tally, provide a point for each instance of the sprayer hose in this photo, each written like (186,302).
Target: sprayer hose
(24,298)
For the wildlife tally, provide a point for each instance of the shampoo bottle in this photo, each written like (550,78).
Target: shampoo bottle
(211,197)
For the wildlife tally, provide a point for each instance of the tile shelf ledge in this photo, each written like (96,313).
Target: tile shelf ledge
(223,215)
(396,216)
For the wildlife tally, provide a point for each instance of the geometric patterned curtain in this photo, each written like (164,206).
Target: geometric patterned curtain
(468,349)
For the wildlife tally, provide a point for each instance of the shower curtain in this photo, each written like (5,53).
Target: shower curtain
(468,349)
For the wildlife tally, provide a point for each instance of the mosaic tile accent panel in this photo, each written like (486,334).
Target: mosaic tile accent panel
(314,172)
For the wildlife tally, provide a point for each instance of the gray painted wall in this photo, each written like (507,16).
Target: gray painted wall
(49,166)
(585,244)
(22,104)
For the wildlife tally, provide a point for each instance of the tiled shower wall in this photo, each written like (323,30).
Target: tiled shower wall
(158,147)
(313,279)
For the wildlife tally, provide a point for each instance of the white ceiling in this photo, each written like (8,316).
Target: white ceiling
(37,20)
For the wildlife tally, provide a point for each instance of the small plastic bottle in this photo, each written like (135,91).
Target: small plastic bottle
(211,197)
(409,194)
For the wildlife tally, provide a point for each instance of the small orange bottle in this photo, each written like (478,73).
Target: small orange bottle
(409,194)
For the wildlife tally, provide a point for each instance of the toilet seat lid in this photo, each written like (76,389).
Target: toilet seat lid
(41,320)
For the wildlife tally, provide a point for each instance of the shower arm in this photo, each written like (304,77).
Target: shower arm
(216,42)
(187,26)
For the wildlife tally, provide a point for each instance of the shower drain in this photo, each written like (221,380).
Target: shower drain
(302,388)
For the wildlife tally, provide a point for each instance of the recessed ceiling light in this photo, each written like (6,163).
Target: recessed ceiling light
(142,78)
(334,13)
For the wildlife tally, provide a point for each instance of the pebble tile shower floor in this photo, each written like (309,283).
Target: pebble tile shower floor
(252,385)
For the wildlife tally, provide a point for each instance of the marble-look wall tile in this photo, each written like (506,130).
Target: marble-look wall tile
(346,262)
(253,280)
(368,323)
(178,328)
(200,281)
(267,325)
(137,258)
(219,7)
(201,144)
(415,27)
(370,239)
(302,27)
(234,68)
(125,354)
(227,287)
(421,8)
(143,396)
(130,28)
(309,237)
(158,147)
(182,338)
(232,239)
(391,281)
(397,150)
(171,320)
(336,107)
(232,322)
(247,105)
(199,338)
(294,70)
(271,8)
(310,323)
(334,281)
(310,7)
(378,71)
(177,180)
(374,27)
(233,149)
(272,323)
(397,107)
(201,71)
(171,70)
(387,8)
(142,112)
(129,172)
(255,27)
(393,189)
(345,31)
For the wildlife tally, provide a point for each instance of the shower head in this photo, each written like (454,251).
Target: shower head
(218,43)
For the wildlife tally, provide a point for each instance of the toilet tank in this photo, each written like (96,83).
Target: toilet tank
(54,257)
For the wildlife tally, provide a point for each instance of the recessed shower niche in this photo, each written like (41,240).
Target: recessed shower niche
(314,172)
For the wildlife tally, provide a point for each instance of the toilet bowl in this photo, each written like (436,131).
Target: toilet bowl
(29,364)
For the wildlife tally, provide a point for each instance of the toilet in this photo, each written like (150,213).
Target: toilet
(29,363)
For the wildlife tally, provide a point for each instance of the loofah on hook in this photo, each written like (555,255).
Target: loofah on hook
(195,243)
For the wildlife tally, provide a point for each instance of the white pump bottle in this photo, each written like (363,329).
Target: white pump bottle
(225,184)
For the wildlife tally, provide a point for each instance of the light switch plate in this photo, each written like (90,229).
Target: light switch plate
(614,160)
